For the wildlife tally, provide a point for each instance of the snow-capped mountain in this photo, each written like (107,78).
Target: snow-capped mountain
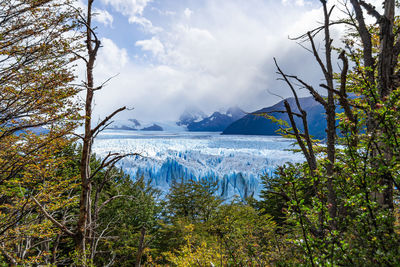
(191,115)
(129,124)
(218,121)
(192,119)
(137,125)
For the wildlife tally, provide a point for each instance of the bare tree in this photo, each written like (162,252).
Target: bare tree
(379,73)
(369,131)
(85,232)
(328,104)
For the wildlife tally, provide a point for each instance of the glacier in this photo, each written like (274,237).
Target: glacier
(235,162)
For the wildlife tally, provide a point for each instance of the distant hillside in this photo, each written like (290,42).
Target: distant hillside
(253,124)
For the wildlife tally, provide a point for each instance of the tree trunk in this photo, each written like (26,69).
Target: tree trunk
(330,111)
(385,86)
(85,201)
(141,247)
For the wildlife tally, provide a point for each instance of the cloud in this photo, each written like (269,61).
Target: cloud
(128,7)
(153,45)
(225,61)
(111,57)
(187,12)
(103,17)
(99,15)
(222,56)
(295,2)
(146,24)
(133,9)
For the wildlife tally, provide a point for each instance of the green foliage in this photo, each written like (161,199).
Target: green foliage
(245,236)
(125,217)
(213,232)
(293,223)
(193,200)
(191,254)
(349,218)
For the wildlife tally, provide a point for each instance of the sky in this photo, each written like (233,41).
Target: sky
(167,55)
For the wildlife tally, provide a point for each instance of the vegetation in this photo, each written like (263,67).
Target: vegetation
(342,204)
(61,205)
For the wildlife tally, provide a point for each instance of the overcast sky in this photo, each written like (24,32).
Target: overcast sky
(213,54)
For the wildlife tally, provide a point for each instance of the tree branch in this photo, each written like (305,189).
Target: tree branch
(106,120)
(54,221)
(111,199)
(366,40)
(342,93)
(371,10)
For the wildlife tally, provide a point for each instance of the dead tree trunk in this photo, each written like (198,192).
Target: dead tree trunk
(84,225)
(92,46)
(330,111)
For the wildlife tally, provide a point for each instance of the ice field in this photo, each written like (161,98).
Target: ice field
(236,162)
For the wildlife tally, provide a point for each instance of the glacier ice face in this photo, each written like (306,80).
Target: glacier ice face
(235,162)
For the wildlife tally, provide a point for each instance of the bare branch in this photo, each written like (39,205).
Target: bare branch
(342,94)
(371,10)
(272,93)
(105,82)
(54,221)
(106,120)
(277,111)
(102,129)
(308,153)
(78,135)
(111,163)
(366,40)
(297,134)
(316,55)
(80,56)
(284,76)
(311,89)
(113,198)
(329,89)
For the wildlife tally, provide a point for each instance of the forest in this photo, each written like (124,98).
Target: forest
(61,205)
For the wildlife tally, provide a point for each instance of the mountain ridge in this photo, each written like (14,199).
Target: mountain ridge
(256,124)
(217,121)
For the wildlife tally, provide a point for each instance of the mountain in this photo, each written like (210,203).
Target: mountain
(217,122)
(191,115)
(253,124)
(136,125)
(153,127)
(129,124)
